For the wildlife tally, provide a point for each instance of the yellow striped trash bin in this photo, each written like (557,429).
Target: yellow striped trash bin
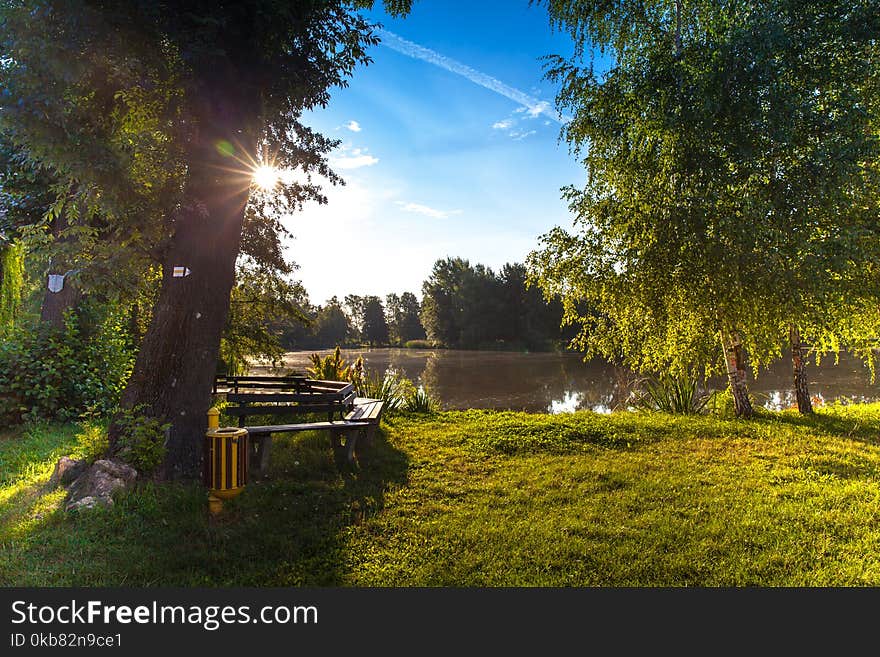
(226,464)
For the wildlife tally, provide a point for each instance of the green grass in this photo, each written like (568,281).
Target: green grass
(479,498)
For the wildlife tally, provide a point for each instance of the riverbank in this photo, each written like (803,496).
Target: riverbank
(482,498)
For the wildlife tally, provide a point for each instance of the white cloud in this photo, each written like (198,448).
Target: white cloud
(426,210)
(349,157)
(354,126)
(356,161)
(535,110)
(517,135)
(414,50)
(508,123)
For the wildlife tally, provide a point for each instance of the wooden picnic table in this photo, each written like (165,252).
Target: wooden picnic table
(301,398)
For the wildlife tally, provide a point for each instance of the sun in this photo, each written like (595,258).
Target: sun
(265,177)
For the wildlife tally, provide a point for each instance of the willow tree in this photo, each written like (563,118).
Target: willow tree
(11,284)
(17,197)
(726,151)
(230,82)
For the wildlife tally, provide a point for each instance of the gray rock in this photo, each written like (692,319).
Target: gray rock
(85,503)
(66,471)
(98,483)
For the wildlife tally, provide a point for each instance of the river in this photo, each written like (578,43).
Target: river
(555,383)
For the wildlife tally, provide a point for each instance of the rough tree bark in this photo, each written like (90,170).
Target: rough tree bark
(56,304)
(736,373)
(175,366)
(799,369)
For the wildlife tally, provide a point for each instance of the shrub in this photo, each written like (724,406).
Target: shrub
(332,367)
(418,400)
(721,404)
(92,440)
(418,344)
(58,375)
(141,439)
(392,388)
(671,393)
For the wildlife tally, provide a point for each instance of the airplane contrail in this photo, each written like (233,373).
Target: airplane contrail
(534,106)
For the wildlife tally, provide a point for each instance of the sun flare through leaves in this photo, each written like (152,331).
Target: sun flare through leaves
(266,177)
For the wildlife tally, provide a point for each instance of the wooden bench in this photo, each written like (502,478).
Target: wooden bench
(367,413)
(347,415)
(358,426)
(265,395)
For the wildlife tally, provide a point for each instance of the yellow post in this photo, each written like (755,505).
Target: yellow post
(213,418)
(215,504)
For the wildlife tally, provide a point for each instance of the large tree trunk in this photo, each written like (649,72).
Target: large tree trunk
(736,373)
(175,366)
(799,369)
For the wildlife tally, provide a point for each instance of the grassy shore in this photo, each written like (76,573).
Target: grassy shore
(480,498)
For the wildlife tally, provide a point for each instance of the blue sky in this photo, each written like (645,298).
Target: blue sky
(450,148)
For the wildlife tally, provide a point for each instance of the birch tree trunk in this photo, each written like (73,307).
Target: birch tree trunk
(799,369)
(734,358)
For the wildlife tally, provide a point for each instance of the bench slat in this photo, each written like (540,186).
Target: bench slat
(306,426)
(299,409)
(335,385)
(281,385)
(290,397)
(356,413)
(370,412)
(300,395)
(259,379)
(374,412)
(348,400)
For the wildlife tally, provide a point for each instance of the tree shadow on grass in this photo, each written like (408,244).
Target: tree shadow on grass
(859,429)
(289,529)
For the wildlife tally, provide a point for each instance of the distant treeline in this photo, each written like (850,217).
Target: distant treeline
(358,320)
(463,306)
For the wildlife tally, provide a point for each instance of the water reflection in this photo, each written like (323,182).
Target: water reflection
(561,383)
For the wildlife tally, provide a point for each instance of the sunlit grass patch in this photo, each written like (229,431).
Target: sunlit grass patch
(482,498)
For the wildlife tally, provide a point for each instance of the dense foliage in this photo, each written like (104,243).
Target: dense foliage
(469,306)
(732,188)
(61,374)
(404,324)
(464,306)
(11,284)
(150,119)
(367,316)
(262,302)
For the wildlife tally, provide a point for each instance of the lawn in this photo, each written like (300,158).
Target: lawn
(482,498)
